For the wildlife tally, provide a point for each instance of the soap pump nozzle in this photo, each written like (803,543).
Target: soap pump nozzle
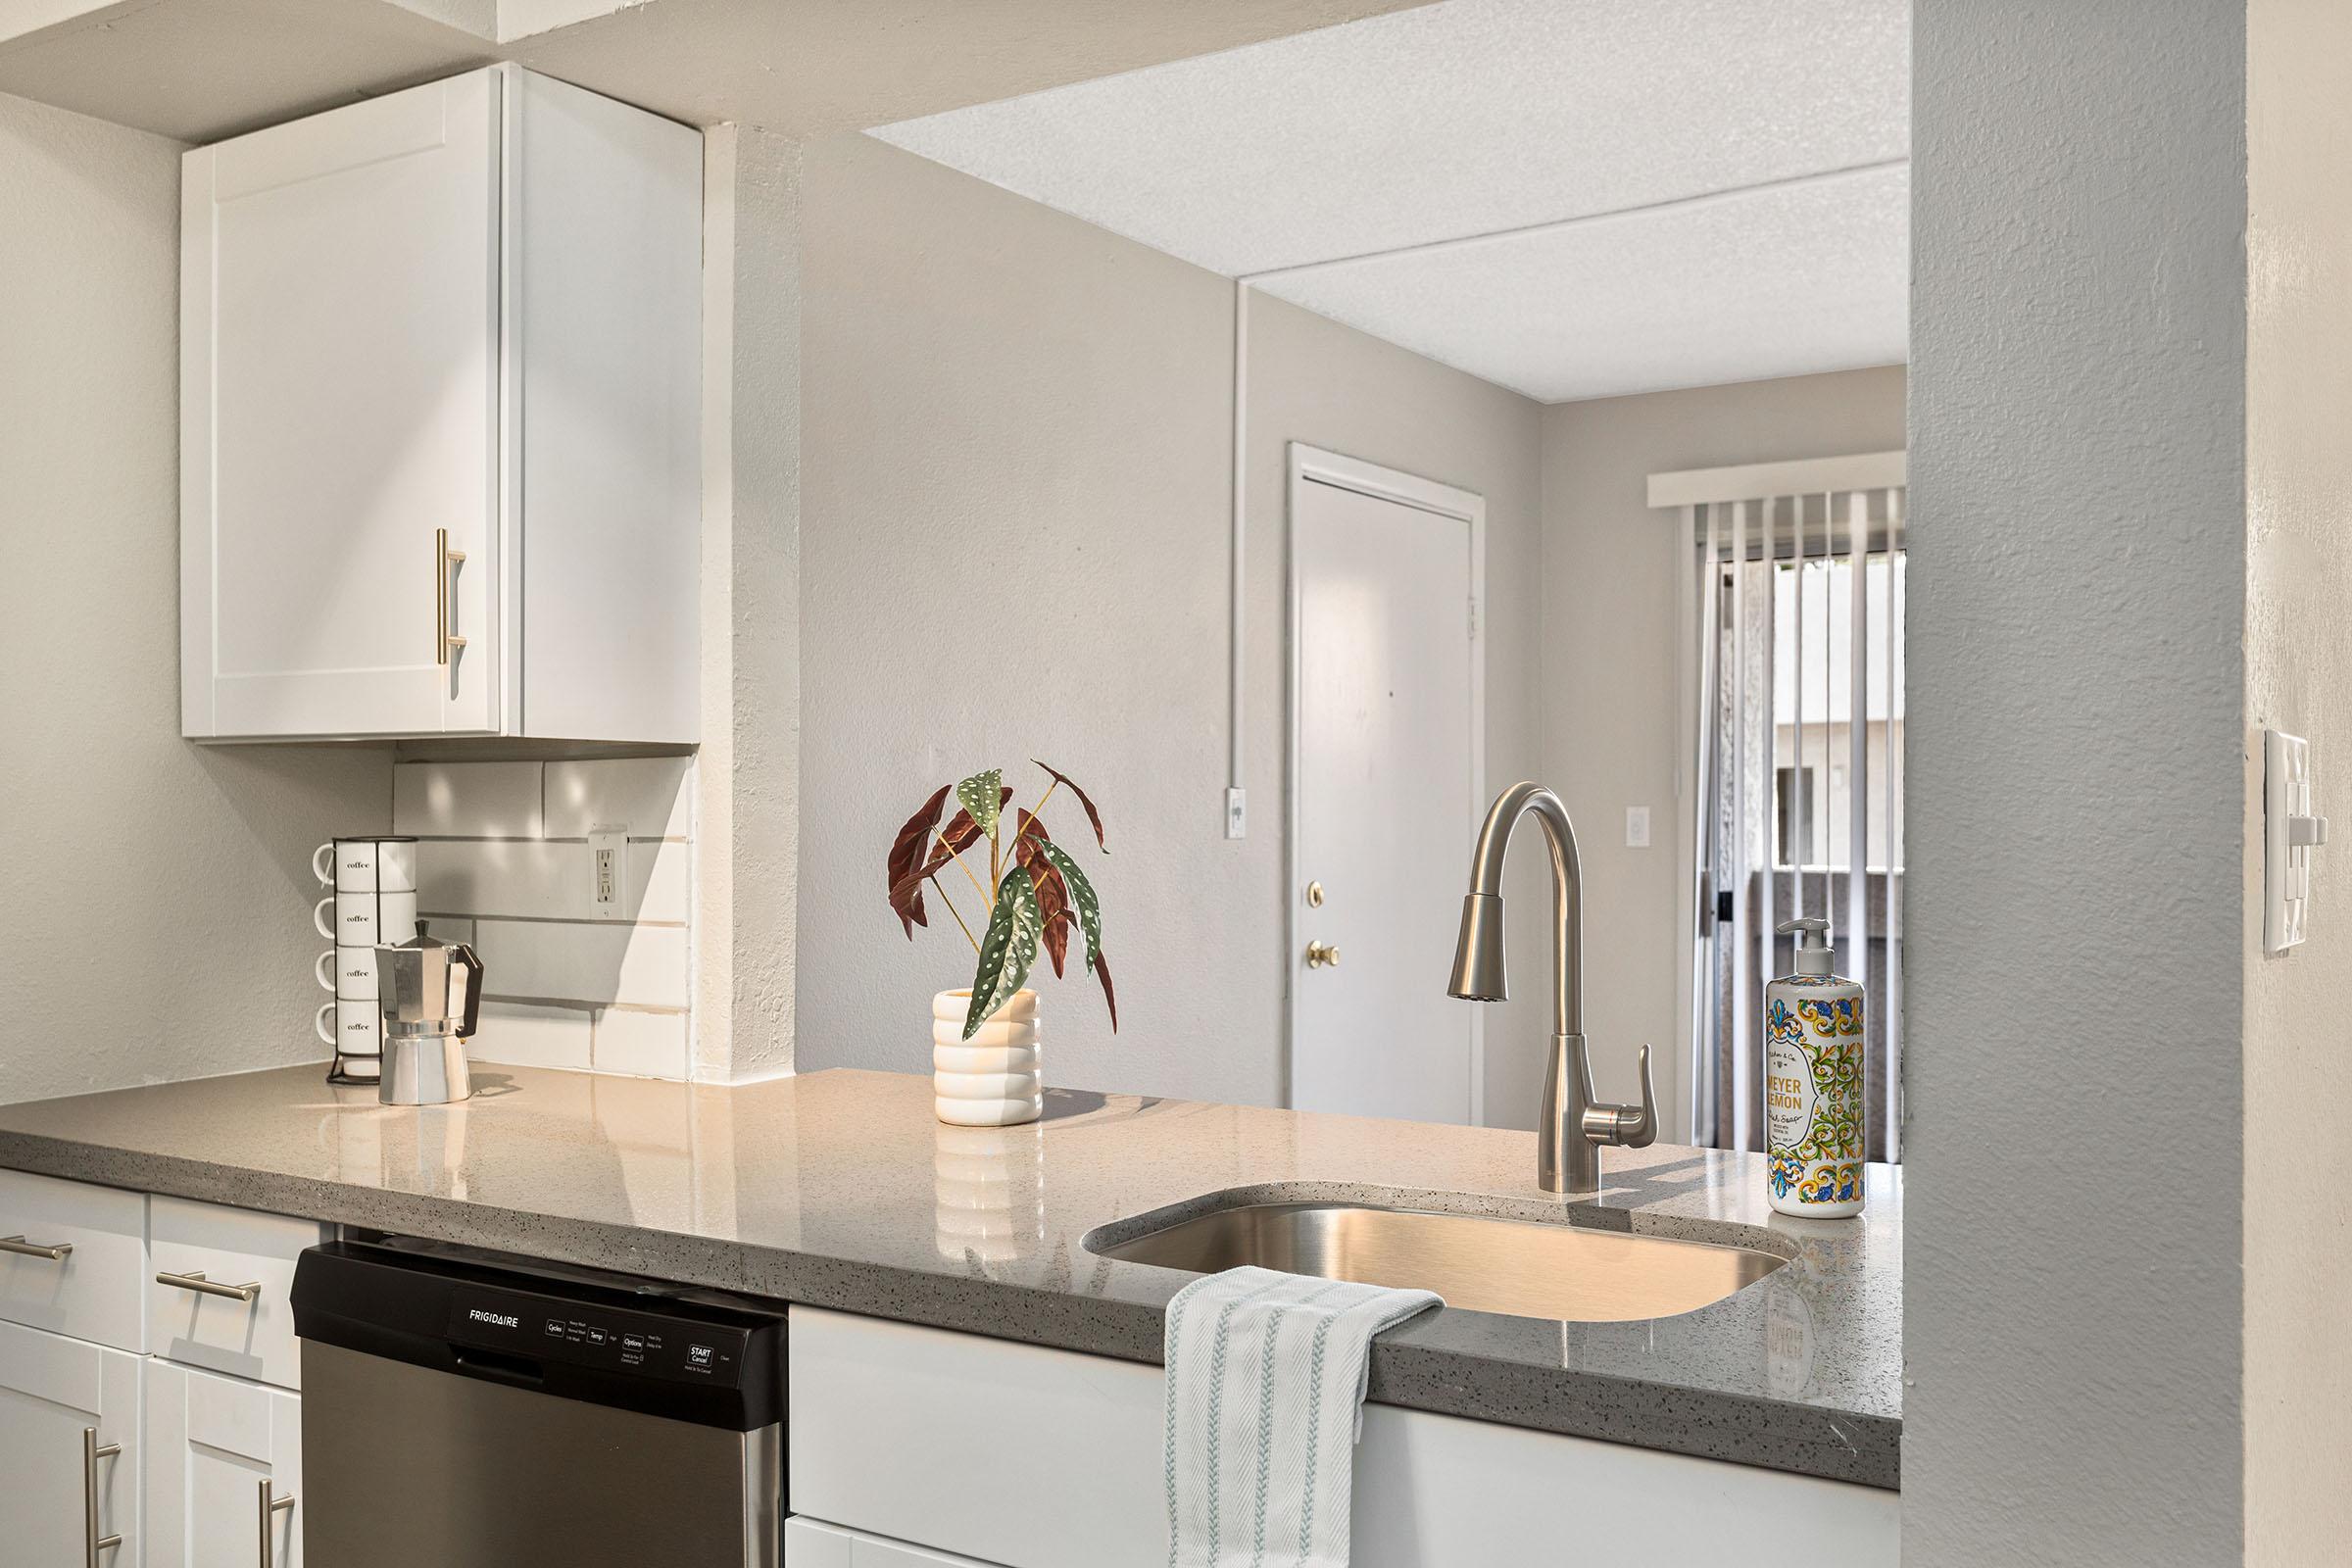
(1813,954)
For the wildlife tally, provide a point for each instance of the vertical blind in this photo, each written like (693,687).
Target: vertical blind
(1793,612)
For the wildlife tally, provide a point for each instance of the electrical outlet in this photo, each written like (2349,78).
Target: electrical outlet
(1637,827)
(607,866)
(1237,814)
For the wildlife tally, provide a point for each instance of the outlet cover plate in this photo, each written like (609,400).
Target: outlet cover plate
(608,869)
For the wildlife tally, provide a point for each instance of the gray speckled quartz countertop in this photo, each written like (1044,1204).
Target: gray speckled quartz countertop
(839,1189)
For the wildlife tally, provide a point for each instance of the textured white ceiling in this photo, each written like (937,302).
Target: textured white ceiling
(1784,280)
(1479,117)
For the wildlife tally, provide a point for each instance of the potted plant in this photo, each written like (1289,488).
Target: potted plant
(984,1070)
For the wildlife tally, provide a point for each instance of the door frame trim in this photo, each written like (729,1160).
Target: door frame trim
(1307,464)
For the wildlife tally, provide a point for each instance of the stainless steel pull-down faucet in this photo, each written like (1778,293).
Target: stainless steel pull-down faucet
(1573,1125)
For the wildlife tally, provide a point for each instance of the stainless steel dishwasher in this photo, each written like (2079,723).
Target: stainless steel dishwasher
(471,1410)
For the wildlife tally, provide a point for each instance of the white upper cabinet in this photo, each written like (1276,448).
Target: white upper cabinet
(439,419)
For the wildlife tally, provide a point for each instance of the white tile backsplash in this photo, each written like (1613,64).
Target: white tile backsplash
(650,1044)
(577,963)
(504,865)
(552,881)
(525,1036)
(451,928)
(653,796)
(468,800)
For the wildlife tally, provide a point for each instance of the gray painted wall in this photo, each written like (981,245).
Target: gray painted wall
(1612,730)
(2074,925)
(160,893)
(1017,438)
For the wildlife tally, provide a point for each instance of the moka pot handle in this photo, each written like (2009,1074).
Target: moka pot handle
(462,954)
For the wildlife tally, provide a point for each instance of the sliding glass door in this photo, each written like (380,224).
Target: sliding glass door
(1797,655)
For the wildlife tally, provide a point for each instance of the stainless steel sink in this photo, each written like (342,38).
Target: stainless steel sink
(1523,1267)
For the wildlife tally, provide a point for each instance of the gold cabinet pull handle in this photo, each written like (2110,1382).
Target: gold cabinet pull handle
(270,1505)
(92,1542)
(195,1281)
(1322,955)
(55,1252)
(444,560)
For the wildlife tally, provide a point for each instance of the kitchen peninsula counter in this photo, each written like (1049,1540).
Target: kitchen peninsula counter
(839,1190)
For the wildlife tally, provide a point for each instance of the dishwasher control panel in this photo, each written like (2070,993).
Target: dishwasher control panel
(551,1328)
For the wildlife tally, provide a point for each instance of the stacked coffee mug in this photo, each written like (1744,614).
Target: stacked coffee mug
(372,899)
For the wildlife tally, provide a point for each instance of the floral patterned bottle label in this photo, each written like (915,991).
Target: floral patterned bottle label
(1813,1102)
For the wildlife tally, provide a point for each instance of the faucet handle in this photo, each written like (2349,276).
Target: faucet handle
(1646,1131)
(1627,1126)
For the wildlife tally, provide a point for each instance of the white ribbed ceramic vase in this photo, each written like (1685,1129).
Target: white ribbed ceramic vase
(991,1079)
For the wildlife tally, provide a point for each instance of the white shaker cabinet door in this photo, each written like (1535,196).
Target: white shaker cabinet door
(223,1464)
(64,1402)
(340,421)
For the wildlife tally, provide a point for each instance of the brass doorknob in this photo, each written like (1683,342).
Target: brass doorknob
(1321,954)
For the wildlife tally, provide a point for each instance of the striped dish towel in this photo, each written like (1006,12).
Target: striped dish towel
(1267,1375)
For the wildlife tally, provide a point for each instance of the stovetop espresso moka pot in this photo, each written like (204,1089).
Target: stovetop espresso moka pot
(430,995)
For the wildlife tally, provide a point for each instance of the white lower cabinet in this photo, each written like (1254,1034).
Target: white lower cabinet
(224,1471)
(68,1450)
(220,1287)
(810,1545)
(124,1460)
(70,1258)
(1025,1457)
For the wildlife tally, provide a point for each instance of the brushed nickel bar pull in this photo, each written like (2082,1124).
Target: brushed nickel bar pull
(203,1287)
(270,1508)
(92,1542)
(24,1248)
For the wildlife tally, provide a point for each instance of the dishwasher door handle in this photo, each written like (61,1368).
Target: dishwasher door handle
(496,1366)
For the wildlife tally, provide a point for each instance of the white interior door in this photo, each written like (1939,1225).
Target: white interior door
(1386,773)
(340,383)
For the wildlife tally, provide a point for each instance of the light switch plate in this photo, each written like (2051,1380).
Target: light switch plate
(2290,831)
(1637,827)
(1237,814)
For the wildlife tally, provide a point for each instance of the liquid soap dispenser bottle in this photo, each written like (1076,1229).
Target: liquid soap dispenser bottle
(1813,1099)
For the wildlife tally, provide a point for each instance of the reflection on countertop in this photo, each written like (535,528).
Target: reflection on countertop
(839,1189)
